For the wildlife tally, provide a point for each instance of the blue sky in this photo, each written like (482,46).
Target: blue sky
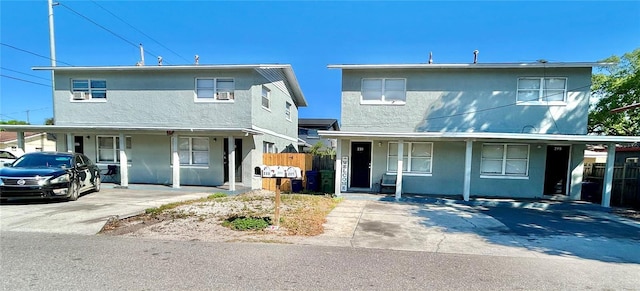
(308,35)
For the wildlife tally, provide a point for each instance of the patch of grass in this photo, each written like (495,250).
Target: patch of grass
(247,223)
(306,214)
(216,196)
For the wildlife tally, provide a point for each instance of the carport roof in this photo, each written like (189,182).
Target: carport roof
(481,136)
(154,129)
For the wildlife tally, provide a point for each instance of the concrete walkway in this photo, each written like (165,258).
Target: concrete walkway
(482,227)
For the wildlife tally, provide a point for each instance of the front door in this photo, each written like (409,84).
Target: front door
(238,160)
(361,164)
(78,144)
(556,170)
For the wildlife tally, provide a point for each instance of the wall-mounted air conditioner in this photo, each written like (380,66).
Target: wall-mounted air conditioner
(80,95)
(225,96)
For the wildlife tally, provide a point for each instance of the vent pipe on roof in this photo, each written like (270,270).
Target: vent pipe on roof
(141,62)
(430,57)
(159,60)
(197,59)
(475,56)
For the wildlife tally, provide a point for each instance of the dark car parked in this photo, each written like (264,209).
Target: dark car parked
(49,175)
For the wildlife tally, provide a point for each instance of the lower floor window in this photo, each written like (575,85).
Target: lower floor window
(416,158)
(505,159)
(193,151)
(109,149)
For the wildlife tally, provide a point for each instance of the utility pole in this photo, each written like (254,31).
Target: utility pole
(28,117)
(52,45)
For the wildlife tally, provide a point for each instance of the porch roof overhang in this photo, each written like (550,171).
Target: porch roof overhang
(84,129)
(472,66)
(480,136)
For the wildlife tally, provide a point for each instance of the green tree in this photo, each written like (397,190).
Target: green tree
(13,122)
(49,121)
(615,87)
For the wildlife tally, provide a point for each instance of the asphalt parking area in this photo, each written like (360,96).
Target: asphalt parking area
(88,214)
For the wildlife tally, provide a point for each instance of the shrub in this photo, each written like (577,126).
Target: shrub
(247,223)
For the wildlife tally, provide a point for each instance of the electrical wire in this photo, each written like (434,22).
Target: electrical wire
(140,31)
(7,69)
(23,80)
(32,53)
(108,30)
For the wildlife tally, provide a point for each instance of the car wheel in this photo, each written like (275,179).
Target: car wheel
(96,184)
(74,192)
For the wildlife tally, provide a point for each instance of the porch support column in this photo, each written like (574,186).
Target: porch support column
(467,171)
(232,163)
(175,161)
(338,179)
(21,140)
(124,163)
(70,143)
(608,175)
(400,167)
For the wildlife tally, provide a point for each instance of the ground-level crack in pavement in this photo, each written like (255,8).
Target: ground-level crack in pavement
(353,234)
(444,236)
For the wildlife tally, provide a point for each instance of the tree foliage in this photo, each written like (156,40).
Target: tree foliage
(615,87)
(49,121)
(13,122)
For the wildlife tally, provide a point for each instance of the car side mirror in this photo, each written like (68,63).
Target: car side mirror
(8,164)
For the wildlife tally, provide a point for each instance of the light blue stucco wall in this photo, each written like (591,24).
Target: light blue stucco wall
(455,100)
(447,175)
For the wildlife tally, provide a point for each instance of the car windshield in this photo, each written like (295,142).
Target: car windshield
(43,161)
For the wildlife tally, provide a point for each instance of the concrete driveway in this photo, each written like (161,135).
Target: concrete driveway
(483,227)
(89,214)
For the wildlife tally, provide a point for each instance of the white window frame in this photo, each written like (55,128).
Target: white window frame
(382,99)
(215,98)
(190,151)
(541,97)
(407,153)
(287,110)
(88,91)
(266,97)
(504,160)
(268,147)
(116,149)
(631,160)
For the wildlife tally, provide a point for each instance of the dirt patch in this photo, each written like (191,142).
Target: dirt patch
(628,213)
(300,216)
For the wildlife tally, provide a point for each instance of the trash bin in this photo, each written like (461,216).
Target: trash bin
(591,192)
(313,181)
(296,185)
(327,181)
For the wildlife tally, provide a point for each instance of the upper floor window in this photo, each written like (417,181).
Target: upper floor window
(416,157)
(268,147)
(215,89)
(505,159)
(88,89)
(287,111)
(193,151)
(543,91)
(109,149)
(388,91)
(266,97)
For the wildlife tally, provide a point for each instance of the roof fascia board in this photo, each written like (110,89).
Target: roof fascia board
(470,66)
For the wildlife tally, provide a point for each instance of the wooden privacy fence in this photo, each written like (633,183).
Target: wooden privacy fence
(324,162)
(625,187)
(302,161)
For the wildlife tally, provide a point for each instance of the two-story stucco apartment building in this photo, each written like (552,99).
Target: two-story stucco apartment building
(176,125)
(494,129)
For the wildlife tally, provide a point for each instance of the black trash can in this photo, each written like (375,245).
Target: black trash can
(313,181)
(591,192)
(296,185)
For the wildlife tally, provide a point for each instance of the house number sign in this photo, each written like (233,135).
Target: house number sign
(344,173)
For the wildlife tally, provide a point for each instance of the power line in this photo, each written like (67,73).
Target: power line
(140,31)
(29,110)
(7,69)
(108,30)
(23,80)
(32,53)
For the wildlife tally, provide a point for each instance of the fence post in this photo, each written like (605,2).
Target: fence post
(624,182)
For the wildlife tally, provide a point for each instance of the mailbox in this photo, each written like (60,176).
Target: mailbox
(280,172)
(268,171)
(293,172)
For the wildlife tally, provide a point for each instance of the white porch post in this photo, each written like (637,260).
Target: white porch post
(338,179)
(232,163)
(21,140)
(399,176)
(124,164)
(70,143)
(175,161)
(467,171)
(608,175)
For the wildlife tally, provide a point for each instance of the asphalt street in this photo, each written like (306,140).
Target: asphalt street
(46,261)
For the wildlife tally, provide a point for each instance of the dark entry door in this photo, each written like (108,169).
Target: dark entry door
(238,160)
(360,164)
(556,170)
(78,144)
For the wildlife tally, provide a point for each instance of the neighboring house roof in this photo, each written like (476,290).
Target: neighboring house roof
(287,70)
(628,149)
(473,66)
(319,123)
(7,136)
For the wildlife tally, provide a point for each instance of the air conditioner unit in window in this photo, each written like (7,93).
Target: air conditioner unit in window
(80,95)
(225,96)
